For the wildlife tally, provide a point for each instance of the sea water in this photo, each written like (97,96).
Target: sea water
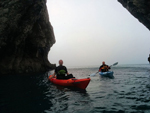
(127,92)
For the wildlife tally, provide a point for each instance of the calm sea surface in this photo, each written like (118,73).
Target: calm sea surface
(128,92)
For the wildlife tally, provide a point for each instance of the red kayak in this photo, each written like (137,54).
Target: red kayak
(72,82)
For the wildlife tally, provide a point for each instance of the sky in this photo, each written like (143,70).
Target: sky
(88,32)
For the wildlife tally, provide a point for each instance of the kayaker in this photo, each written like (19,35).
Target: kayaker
(104,67)
(61,71)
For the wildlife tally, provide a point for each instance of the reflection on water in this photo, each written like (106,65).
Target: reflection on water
(35,94)
(21,94)
(70,101)
(128,92)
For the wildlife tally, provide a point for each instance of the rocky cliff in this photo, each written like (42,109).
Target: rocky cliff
(26,34)
(140,9)
(26,37)
(149,58)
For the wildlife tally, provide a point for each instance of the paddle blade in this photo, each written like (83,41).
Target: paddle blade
(93,74)
(115,63)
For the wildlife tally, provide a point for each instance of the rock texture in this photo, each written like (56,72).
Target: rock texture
(26,34)
(26,37)
(149,58)
(140,9)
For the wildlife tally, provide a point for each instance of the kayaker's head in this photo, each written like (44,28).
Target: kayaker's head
(103,63)
(60,62)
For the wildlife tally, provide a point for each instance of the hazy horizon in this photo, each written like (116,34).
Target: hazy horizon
(89,32)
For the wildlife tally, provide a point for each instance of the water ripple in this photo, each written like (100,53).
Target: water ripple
(128,92)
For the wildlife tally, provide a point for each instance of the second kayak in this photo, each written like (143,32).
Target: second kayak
(107,74)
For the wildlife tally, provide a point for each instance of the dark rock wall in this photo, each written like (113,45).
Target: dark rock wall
(149,58)
(26,36)
(140,9)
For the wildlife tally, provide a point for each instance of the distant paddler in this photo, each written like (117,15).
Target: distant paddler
(104,67)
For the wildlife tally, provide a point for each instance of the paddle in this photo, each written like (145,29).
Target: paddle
(93,74)
(114,64)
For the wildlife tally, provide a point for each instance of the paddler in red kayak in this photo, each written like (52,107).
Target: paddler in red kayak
(104,67)
(61,71)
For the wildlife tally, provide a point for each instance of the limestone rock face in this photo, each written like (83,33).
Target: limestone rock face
(26,37)
(149,59)
(140,9)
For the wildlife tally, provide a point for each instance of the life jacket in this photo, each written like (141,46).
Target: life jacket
(61,72)
(104,68)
